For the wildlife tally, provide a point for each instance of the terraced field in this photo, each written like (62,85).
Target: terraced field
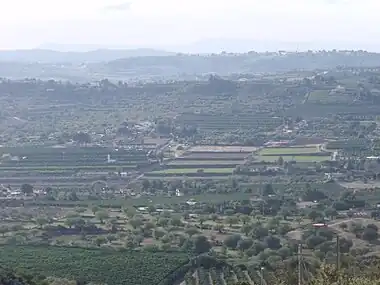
(228,122)
(214,156)
(205,161)
(289,150)
(298,158)
(194,171)
(298,154)
(66,164)
(219,149)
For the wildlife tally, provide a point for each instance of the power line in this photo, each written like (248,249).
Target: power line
(300,264)
(337,253)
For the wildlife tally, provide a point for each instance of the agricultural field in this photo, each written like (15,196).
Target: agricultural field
(179,171)
(297,158)
(20,165)
(226,122)
(299,154)
(290,150)
(124,182)
(214,156)
(134,268)
(205,161)
(335,96)
(221,149)
(185,162)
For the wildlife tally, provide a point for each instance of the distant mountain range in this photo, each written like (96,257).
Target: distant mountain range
(78,53)
(99,55)
(150,64)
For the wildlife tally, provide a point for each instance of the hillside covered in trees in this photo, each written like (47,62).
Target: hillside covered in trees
(242,176)
(156,65)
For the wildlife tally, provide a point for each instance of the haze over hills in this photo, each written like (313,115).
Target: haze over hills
(91,53)
(241,45)
(217,45)
(158,64)
(98,55)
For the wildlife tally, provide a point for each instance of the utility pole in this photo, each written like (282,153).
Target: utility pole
(299,264)
(337,253)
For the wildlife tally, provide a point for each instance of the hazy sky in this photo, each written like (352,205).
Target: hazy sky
(29,23)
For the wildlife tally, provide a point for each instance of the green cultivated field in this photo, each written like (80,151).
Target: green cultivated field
(193,170)
(132,268)
(288,150)
(298,158)
(71,167)
(204,162)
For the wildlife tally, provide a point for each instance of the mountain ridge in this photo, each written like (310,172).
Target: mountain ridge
(98,55)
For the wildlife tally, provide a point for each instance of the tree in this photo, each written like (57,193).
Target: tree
(280,161)
(232,241)
(315,215)
(284,252)
(70,222)
(94,209)
(219,228)
(151,209)
(201,244)
(246,229)
(268,190)
(138,239)
(313,241)
(149,225)
(191,231)
(111,238)
(136,223)
(81,137)
(41,222)
(176,222)
(162,222)
(130,242)
(232,220)
(100,240)
(229,212)
(202,219)
(245,219)
(145,184)
(370,234)
(372,226)
(273,242)
(80,210)
(257,247)
(259,232)
(79,222)
(245,244)
(129,212)
(27,189)
(345,245)
(3,230)
(101,216)
(285,213)
(157,234)
(331,213)
(214,217)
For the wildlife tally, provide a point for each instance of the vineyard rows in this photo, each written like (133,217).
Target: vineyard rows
(221,276)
